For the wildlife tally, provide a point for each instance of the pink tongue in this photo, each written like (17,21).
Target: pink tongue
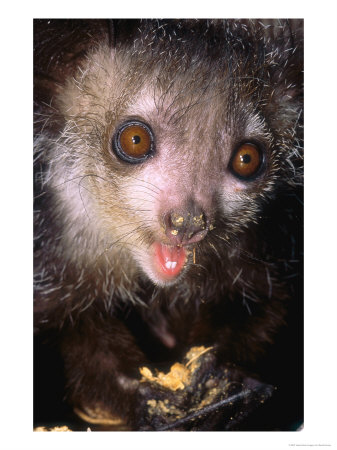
(170,260)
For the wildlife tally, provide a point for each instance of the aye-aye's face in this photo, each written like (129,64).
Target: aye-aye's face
(160,161)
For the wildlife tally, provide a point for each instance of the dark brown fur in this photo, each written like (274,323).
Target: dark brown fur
(215,79)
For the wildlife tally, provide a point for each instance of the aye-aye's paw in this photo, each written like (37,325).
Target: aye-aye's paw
(197,395)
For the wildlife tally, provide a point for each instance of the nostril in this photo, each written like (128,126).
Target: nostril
(197,229)
(174,224)
(177,220)
(185,227)
(199,222)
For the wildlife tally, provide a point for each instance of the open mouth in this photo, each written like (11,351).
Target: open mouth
(169,260)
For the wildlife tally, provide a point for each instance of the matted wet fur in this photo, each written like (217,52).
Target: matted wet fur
(204,88)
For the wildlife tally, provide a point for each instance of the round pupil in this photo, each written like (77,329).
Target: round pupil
(136,139)
(246,159)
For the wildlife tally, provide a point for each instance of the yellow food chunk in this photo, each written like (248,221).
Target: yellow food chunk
(179,375)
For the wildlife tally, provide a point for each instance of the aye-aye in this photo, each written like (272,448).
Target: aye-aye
(168,172)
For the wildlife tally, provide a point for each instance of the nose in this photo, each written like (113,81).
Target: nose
(187,226)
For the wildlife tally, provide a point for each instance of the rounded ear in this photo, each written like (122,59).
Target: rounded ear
(61,44)
(59,47)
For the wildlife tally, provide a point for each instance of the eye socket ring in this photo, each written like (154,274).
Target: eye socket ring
(133,142)
(247,161)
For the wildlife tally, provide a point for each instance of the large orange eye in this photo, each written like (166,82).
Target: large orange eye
(134,142)
(246,161)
